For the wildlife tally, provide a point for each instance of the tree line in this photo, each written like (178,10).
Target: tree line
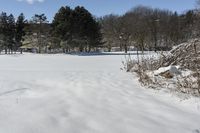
(143,28)
(148,28)
(71,30)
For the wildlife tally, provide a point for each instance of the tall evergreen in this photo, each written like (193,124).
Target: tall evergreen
(11,33)
(95,39)
(74,27)
(4,31)
(82,19)
(63,26)
(84,25)
(20,32)
(37,27)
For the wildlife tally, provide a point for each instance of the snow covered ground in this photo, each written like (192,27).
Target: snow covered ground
(85,94)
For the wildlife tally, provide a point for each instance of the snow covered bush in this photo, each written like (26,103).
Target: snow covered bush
(178,70)
(186,55)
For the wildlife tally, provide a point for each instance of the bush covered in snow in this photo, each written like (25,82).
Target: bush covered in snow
(178,69)
(186,55)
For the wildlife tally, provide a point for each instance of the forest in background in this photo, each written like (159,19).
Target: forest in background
(142,27)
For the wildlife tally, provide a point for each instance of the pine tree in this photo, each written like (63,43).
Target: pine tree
(74,28)
(20,32)
(84,25)
(80,27)
(63,26)
(39,21)
(11,32)
(4,31)
(95,39)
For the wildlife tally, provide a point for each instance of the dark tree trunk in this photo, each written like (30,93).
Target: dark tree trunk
(89,50)
(125,48)
(120,47)
(39,50)
(81,48)
(6,51)
(109,48)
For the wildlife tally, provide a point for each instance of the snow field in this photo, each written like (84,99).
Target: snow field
(85,94)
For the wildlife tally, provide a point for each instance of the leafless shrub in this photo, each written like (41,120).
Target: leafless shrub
(186,55)
(128,64)
(141,66)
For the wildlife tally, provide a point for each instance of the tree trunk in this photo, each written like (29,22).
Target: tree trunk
(155,43)
(125,48)
(109,48)
(89,50)
(81,48)
(120,46)
(6,51)
(39,50)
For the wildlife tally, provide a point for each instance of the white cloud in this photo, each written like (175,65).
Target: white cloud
(31,1)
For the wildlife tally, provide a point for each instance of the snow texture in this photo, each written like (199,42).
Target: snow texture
(85,94)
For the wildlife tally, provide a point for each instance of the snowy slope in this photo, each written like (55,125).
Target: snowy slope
(85,94)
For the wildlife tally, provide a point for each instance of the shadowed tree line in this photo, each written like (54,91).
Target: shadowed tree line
(71,30)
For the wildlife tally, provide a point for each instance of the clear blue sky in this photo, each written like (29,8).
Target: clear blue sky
(96,7)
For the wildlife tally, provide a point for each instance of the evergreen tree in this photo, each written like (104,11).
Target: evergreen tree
(20,32)
(4,31)
(74,28)
(7,30)
(37,26)
(84,25)
(95,39)
(11,33)
(80,28)
(62,27)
